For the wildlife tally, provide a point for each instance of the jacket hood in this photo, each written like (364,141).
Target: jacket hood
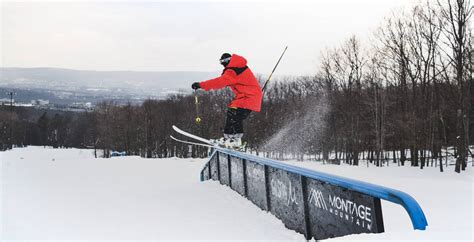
(237,61)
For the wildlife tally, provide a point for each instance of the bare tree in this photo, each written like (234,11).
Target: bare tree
(456,15)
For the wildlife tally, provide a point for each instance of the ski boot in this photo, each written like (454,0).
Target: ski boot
(231,141)
(234,142)
(223,141)
(237,144)
(220,142)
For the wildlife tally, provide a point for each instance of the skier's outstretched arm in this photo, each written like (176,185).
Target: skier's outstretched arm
(228,78)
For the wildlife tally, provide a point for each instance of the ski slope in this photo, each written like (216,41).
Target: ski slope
(64,194)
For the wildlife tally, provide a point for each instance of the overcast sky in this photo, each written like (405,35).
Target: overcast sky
(182,36)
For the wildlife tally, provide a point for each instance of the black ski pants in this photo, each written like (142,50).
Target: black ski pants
(234,120)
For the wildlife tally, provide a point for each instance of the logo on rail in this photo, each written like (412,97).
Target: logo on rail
(345,209)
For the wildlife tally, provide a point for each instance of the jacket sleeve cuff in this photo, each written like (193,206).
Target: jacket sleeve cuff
(204,86)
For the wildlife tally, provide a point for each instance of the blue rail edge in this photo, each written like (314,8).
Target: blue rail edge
(412,207)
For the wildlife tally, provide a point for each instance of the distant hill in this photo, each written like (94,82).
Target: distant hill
(67,79)
(66,86)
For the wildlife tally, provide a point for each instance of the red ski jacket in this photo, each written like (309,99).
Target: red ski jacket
(237,76)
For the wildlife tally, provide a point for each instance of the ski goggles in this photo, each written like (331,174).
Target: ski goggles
(225,60)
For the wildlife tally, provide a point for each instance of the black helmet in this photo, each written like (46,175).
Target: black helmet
(225,59)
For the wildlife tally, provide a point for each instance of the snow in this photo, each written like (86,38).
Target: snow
(63,194)
(59,194)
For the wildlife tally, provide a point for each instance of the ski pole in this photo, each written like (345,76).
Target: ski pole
(265,85)
(196,102)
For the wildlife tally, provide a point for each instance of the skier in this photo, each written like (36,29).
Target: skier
(247,91)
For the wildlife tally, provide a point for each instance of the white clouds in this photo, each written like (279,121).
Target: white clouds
(181,35)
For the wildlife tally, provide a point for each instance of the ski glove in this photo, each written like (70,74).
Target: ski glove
(196,85)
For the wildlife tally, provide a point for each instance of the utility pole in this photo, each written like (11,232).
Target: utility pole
(10,139)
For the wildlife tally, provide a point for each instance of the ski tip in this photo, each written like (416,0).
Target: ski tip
(175,139)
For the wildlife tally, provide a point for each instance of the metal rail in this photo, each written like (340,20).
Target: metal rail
(411,206)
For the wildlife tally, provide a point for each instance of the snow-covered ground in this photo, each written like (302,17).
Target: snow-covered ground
(54,194)
(59,194)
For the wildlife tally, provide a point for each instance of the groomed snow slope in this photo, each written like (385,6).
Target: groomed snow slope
(59,194)
(67,194)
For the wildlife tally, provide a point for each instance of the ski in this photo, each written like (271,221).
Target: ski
(191,143)
(207,141)
(192,136)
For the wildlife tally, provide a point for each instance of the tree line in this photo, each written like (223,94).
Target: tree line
(409,93)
